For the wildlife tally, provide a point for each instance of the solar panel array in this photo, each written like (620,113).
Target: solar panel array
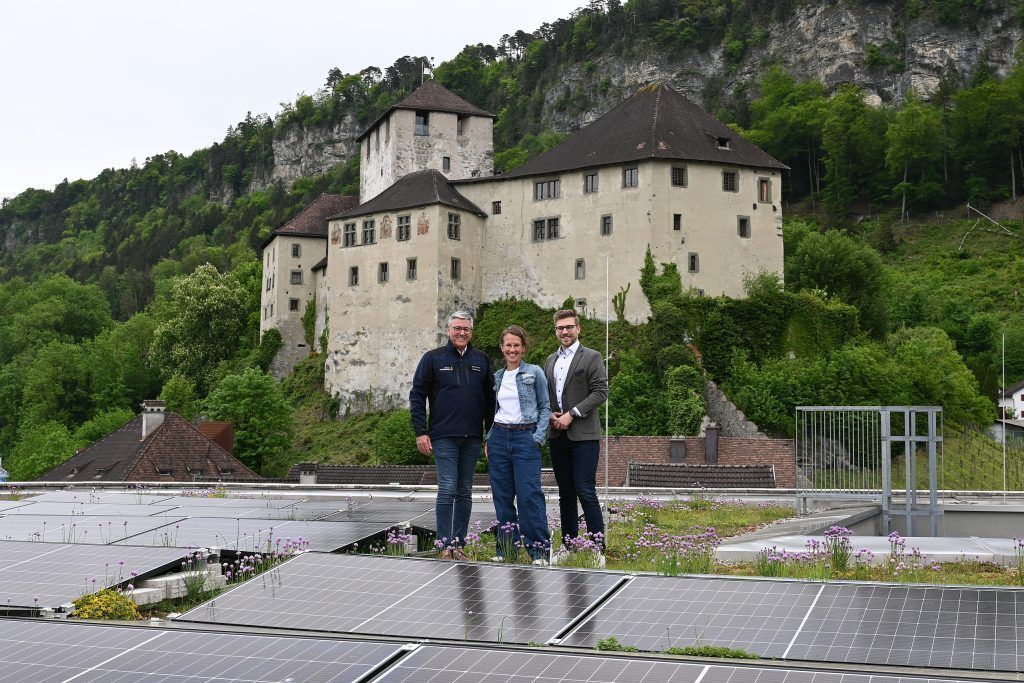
(139,497)
(40,575)
(947,627)
(53,651)
(433,664)
(414,598)
(33,651)
(256,535)
(69,509)
(95,529)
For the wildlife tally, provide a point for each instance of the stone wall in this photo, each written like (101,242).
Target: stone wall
(731,451)
(730,419)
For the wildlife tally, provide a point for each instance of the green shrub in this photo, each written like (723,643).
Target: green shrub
(106,604)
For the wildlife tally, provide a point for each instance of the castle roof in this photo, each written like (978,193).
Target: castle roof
(655,123)
(421,188)
(175,447)
(312,220)
(322,263)
(431,96)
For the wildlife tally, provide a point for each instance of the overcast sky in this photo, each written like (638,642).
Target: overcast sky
(90,85)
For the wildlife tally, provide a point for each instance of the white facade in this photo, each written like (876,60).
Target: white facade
(288,286)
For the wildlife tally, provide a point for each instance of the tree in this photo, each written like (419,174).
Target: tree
(202,322)
(913,154)
(41,447)
(394,441)
(843,268)
(254,403)
(179,394)
(852,137)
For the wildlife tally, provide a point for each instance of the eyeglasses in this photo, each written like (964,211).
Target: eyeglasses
(459,328)
(564,328)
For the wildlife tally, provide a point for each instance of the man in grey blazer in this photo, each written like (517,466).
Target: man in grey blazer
(578,385)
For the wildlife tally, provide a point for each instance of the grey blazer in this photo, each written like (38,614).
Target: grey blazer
(586,388)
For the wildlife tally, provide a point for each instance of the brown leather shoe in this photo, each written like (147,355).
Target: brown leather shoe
(445,554)
(457,554)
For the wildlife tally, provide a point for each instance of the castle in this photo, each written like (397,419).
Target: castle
(434,230)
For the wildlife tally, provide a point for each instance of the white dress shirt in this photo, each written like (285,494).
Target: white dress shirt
(561,370)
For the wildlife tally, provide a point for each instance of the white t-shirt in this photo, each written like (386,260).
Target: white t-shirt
(509,412)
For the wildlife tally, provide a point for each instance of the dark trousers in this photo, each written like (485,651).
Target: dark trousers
(455,459)
(575,465)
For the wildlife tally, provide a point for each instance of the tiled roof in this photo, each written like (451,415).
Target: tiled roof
(655,123)
(1013,389)
(665,475)
(408,475)
(174,451)
(432,96)
(322,263)
(312,220)
(421,188)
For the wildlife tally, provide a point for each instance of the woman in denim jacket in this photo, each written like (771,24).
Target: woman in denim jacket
(513,452)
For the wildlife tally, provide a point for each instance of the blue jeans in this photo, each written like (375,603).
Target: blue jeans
(455,459)
(575,466)
(513,462)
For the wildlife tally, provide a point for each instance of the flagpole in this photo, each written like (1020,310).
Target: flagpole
(607,358)
(1002,403)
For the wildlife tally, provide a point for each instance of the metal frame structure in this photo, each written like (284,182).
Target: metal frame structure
(847,452)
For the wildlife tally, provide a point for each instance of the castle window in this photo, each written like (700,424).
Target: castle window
(404,228)
(268,284)
(271,310)
(730,181)
(382,272)
(296,250)
(693,262)
(369,233)
(606,226)
(631,177)
(350,235)
(376,139)
(546,229)
(460,125)
(764,190)
(581,269)
(723,142)
(446,164)
(410,269)
(293,305)
(456,269)
(546,189)
(296,277)
(678,176)
(422,123)
(677,221)
(495,208)
(743,226)
(454,226)
(590,183)
(353,276)
(387,129)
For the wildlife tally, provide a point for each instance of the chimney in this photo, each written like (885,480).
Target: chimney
(307,473)
(152,416)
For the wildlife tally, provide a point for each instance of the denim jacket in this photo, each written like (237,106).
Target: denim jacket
(533,397)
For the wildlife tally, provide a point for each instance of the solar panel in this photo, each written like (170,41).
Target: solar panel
(68,509)
(256,535)
(332,593)
(654,613)
(214,501)
(302,511)
(434,663)
(52,651)
(11,504)
(393,512)
(109,497)
(416,598)
(963,628)
(93,529)
(480,520)
(50,575)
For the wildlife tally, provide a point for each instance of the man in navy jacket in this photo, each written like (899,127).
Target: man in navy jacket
(452,405)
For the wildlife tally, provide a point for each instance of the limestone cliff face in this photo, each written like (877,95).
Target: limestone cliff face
(310,151)
(828,41)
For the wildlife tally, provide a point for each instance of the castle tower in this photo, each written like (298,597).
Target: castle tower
(433,128)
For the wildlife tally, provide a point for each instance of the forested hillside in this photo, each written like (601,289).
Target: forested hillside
(105,299)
